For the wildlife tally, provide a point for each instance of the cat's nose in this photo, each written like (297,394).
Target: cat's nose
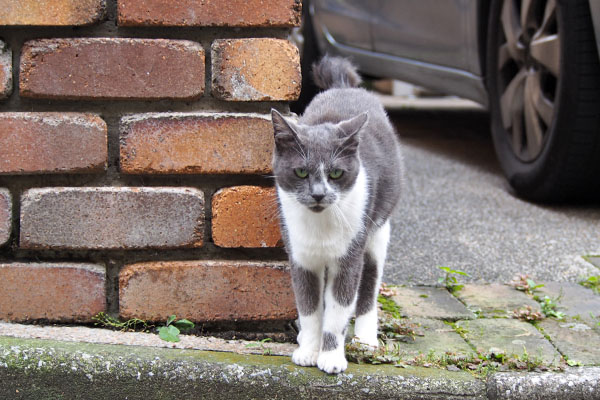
(318,196)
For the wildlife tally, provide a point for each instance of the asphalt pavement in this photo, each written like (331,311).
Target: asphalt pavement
(458,211)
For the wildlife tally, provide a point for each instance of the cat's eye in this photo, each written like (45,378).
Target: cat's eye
(336,173)
(301,172)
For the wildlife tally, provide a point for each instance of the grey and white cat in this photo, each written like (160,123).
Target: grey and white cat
(338,174)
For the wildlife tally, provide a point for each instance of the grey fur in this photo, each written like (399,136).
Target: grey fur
(329,342)
(304,283)
(366,290)
(344,128)
(335,72)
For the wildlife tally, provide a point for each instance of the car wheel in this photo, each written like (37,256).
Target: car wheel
(543,79)
(306,40)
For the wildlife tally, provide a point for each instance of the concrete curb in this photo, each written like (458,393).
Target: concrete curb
(33,368)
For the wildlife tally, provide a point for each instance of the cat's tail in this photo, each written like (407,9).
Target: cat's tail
(335,72)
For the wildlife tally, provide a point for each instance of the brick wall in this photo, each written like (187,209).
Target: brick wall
(135,153)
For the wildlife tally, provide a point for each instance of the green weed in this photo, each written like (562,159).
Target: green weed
(593,282)
(133,324)
(170,332)
(450,281)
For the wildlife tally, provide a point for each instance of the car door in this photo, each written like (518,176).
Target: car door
(440,32)
(347,22)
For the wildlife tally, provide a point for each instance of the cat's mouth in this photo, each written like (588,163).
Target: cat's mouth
(316,209)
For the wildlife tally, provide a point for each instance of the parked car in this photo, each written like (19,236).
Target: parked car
(533,63)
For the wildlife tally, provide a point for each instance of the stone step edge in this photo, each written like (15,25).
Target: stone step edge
(36,368)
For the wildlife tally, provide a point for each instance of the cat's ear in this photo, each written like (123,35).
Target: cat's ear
(349,131)
(284,130)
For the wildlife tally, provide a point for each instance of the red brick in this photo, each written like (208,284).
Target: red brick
(206,291)
(6,85)
(260,69)
(112,218)
(5,215)
(238,13)
(112,68)
(196,144)
(58,292)
(245,216)
(51,12)
(52,143)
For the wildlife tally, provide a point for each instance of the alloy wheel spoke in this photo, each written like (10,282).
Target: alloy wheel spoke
(528,15)
(543,106)
(533,127)
(549,15)
(512,98)
(546,51)
(512,30)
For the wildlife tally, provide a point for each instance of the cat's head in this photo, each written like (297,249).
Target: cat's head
(316,164)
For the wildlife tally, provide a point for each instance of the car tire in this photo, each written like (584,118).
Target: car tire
(543,79)
(309,53)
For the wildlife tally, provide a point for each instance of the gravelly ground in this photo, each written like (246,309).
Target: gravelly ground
(105,336)
(458,211)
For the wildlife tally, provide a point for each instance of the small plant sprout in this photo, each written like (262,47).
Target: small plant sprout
(549,308)
(170,332)
(261,345)
(527,313)
(449,280)
(133,324)
(593,282)
(525,284)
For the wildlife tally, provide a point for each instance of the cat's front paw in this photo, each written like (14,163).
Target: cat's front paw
(332,362)
(305,357)
(368,342)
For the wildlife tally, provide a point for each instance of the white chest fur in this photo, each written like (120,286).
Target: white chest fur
(316,239)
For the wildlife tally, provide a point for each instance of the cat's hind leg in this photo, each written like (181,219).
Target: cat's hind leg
(365,326)
(308,289)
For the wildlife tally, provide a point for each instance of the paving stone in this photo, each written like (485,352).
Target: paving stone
(430,302)
(495,300)
(573,299)
(510,335)
(594,260)
(574,339)
(438,338)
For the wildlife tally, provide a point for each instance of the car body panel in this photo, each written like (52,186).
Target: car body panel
(464,80)
(438,44)
(348,21)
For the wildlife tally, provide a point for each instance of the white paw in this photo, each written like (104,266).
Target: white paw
(305,357)
(332,362)
(368,341)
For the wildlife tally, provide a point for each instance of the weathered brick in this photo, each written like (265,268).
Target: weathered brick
(206,143)
(238,13)
(5,215)
(61,292)
(6,84)
(206,291)
(111,218)
(51,12)
(245,216)
(259,69)
(52,143)
(112,68)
